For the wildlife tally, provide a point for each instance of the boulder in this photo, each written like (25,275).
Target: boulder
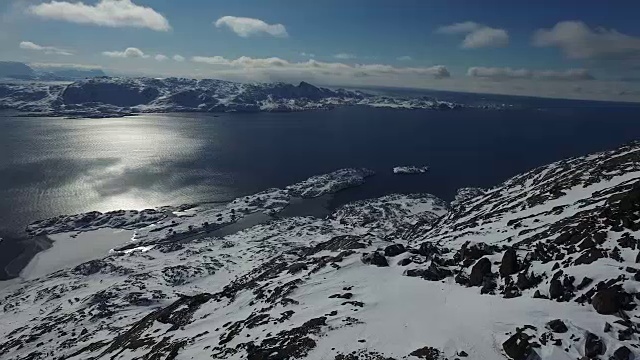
(481,269)
(557,326)
(474,251)
(622,353)
(296,268)
(586,281)
(607,301)
(428,249)
(375,258)
(509,263)
(462,279)
(517,347)
(555,289)
(394,250)
(593,346)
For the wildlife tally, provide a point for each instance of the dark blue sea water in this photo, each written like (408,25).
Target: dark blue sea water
(52,166)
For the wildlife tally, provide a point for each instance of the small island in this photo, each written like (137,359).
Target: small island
(404,170)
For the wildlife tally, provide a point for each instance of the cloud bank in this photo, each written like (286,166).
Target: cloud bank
(476,35)
(246,27)
(130,52)
(49,50)
(506,73)
(578,41)
(313,67)
(111,13)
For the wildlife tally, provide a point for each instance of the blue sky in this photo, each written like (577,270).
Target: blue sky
(550,48)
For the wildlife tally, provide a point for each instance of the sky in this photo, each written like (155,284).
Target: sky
(560,48)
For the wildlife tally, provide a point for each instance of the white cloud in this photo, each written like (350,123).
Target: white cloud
(161,57)
(506,73)
(49,50)
(477,35)
(246,27)
(404,58)
(578,41)
(275,64)
(459,28)
(178,58)
(307,54)
(130,52)
(344,56)
(112,13)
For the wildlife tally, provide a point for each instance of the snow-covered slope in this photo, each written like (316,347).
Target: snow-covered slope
(543,266)
(107,96)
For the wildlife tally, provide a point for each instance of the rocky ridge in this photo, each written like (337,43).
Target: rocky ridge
(110,96)
(542,266)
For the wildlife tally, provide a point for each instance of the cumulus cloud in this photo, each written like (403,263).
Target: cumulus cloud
(130,52)
(246,27)
(161,57)
(506,73)
(49,50)
(316,67)
(578,41)
(404,58)
(111,13)
(344,56)
(476,35)
(178,58)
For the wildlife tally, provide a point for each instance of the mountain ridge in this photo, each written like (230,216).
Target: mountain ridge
(112,96)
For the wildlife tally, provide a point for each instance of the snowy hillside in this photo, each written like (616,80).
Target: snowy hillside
(106,96)
(543,266)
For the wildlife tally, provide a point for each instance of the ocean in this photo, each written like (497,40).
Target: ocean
(53,166)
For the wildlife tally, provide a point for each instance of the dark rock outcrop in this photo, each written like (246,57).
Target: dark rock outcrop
(394,250)
(481,269)
(375,258)
(509,264)
(622,353)
(517,347)
(557,326)
(593,346)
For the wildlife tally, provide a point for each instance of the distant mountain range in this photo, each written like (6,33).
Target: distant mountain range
(111,96)
(21,71)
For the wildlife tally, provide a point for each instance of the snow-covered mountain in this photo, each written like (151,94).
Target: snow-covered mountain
(107,96)
(542,266)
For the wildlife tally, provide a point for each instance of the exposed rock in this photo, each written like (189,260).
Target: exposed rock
(481,269)
(593,346)
(622,353)
(474,251)
(509,264)
(394,250)
(586,281)
(427,353)
(517,347)
(556,289)
(607,301)
(375,258)
(557,326)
